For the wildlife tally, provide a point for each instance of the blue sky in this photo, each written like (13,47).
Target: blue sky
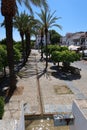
(72,12)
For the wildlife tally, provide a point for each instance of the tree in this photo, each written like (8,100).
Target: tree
(41,33)
(52,48)
(8,10)
(25,23)
(30,24)
(20,23)
(3,58)
(17,55)
(54,37)
(47,20)
(66,57)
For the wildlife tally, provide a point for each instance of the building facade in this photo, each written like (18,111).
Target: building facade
(77,39)
(38,40)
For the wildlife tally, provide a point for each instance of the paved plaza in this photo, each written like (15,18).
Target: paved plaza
(36,89)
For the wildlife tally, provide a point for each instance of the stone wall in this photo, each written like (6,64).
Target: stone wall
(14,124)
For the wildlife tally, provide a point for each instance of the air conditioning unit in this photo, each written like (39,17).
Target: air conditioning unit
(63,119)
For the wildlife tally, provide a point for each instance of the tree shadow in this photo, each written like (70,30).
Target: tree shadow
(5,91)
(41,73)
(4,85)
(66,74)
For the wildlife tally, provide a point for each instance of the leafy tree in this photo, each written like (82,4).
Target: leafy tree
(54,37)
(17,55)
(1,65)
(18,46)
(66,57)
(51,48)
(3,41)
(3,58)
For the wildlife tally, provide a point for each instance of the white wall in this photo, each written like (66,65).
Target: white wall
(80,122)
(38,39)
(21,124)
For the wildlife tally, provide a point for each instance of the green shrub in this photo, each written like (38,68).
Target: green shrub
(1,107)
(17,55)
(65,57)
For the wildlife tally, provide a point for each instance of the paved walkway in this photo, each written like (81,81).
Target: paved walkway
(38,94)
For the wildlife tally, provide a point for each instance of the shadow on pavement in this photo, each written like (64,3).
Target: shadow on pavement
(64,74)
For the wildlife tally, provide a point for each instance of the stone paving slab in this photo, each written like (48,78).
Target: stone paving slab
(72,87)
(49,108)
(8,124)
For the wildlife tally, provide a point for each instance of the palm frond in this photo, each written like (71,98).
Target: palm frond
(48,19)
(37,3)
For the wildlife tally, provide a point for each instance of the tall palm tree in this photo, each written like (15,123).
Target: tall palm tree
(41,33)
(47,20)
(19,22)
(31,23)
(25,23)
(8,10)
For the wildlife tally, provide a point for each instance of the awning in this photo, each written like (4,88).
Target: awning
(73,48)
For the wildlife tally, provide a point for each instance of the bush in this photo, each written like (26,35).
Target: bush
(52,48)
(3,56)
(1,107)
(17,55)
(18,45)
(66,57)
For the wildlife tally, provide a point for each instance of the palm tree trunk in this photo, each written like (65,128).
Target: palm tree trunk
(29,44)
(46,31)
(28,47)
(4,71)
(10,55)
(23,46)
(41,45)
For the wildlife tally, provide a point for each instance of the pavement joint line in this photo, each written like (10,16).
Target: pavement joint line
(39,91)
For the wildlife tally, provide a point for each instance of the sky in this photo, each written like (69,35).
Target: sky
(73,15)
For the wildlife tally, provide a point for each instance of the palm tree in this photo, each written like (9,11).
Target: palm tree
(8,10)
(41,31)
(20,23)
(25,23)
(47,20)
(31,24)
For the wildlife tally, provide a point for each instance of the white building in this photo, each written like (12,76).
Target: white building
(38,40)
(77,39)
